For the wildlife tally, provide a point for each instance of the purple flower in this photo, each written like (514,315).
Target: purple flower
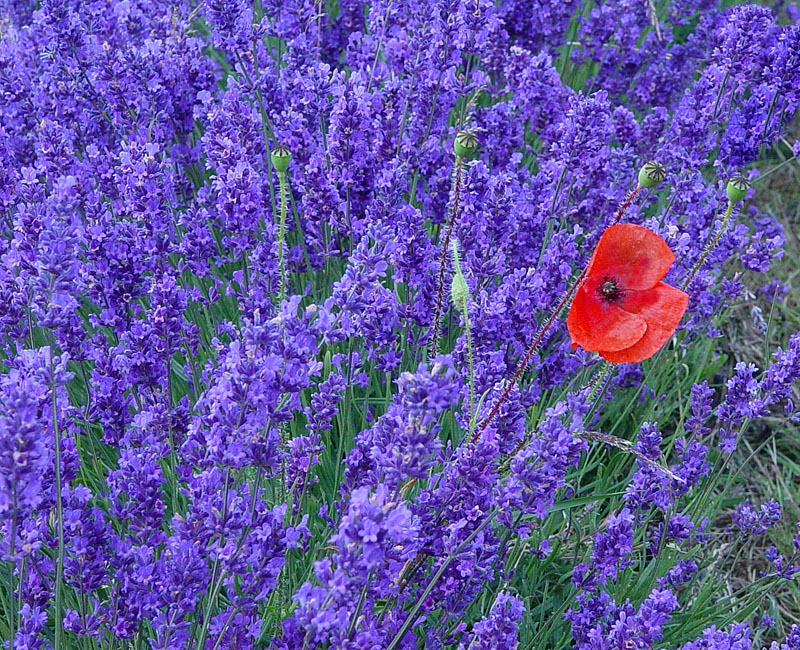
(599,623)
(702,396)
(792,640)
(374,539)
(403,443)
(27,474)
(736,637)
(539,469)
(612,546)
(499,628)
(750,520)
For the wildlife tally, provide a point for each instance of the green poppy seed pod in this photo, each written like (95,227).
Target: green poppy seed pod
(465,143)
(651,174)
(737,188)
(281,157)
(459,292)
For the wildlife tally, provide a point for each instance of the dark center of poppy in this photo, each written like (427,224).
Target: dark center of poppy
(610,290)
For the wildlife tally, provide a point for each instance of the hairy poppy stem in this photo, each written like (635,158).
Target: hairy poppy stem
(281,236)
(709,247)
(526,359)
(437,313)
(626,203)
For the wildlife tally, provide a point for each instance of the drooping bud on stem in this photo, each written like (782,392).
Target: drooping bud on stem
(465,143)
(459,293)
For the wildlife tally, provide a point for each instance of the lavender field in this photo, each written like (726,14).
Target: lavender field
(398,324)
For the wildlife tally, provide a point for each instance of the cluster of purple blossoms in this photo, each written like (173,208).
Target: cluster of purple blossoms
(236,407)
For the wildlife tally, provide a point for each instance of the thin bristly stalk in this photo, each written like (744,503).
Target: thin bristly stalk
(526,359)
(470,360)
(708,247)
(281,231)
(597,387)
(540,336)
(626,204)
(437,312)
(280,158)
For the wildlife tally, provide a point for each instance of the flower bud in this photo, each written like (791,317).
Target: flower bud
(459,292)
(651,174)
(465,143)
(737,188)
(280,158)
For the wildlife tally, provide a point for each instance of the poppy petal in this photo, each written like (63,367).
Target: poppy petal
(633,255)
(662,308)
(596,325)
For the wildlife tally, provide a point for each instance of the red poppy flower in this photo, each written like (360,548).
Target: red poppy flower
(622,309)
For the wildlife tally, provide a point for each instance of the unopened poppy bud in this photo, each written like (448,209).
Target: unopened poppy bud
(737,188)
(459,292)
(465,143)
(281,157)
(651,174)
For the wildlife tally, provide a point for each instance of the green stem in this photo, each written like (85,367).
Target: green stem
(12,608)
(412,615)
(281,230)
(57,618)
(215,584)
(761,177)
(468,333)
(709,247)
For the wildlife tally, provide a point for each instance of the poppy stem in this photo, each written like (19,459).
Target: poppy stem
(281,237)
(526,359)
(437,313)
(626,203)
(468,333)
(709,247)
